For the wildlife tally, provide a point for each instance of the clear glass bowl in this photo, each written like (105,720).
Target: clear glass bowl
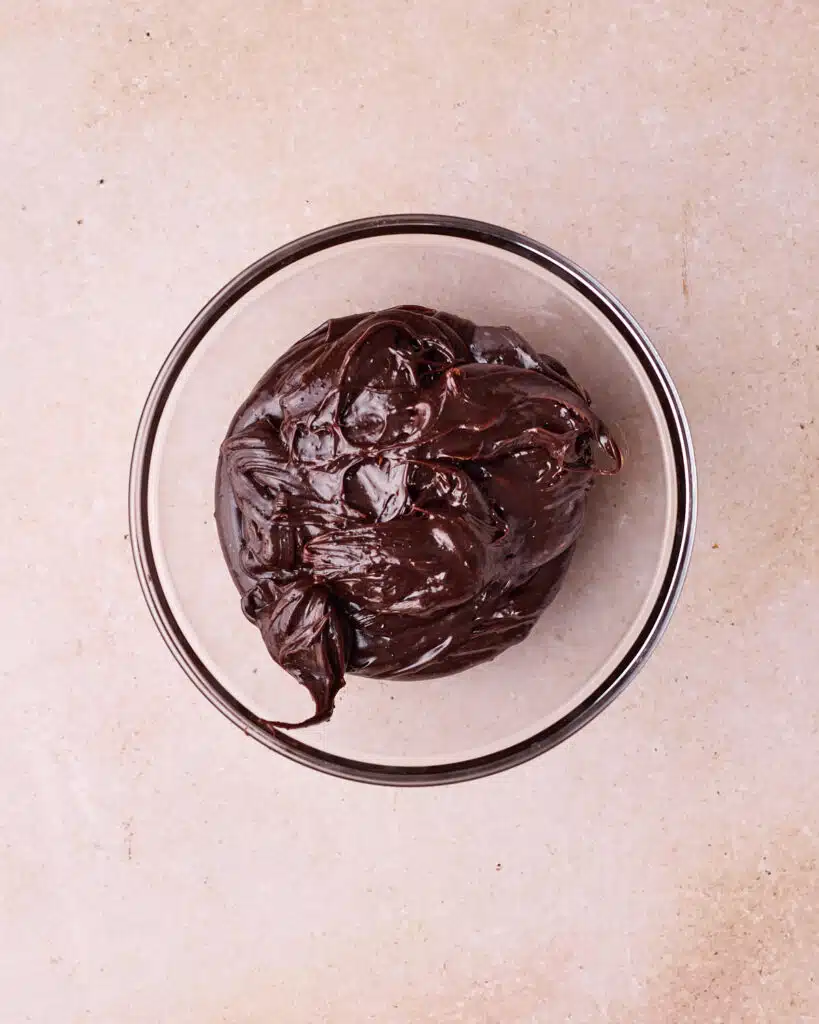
(623,582)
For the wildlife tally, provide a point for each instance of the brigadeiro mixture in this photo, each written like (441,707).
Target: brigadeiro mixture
(401,494)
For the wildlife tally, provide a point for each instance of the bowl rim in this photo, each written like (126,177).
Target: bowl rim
(678,561)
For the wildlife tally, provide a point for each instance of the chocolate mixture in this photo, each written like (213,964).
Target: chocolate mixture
(401,494)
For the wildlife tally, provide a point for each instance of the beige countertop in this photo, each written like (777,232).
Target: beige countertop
(155,864)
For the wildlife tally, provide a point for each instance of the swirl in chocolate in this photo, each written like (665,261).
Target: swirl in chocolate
(401,494)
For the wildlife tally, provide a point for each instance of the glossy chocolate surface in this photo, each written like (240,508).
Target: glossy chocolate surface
(401,494)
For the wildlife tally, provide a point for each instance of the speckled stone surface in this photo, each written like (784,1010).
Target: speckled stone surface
(155,865)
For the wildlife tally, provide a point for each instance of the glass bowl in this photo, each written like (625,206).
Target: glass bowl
(630,561)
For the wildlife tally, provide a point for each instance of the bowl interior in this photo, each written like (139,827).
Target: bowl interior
(618,568)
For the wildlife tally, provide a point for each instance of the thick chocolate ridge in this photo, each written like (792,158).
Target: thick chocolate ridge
(401,494)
